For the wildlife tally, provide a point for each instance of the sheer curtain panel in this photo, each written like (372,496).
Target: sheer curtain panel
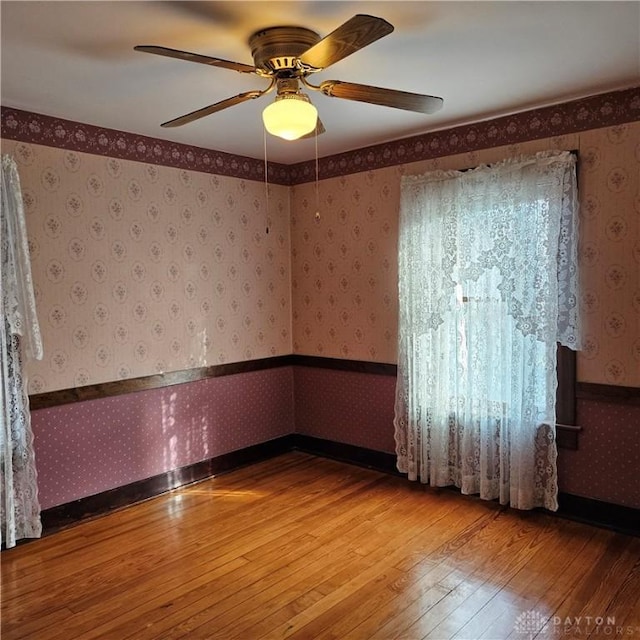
(488,285)
(19,339)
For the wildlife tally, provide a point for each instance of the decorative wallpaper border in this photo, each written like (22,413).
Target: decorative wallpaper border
(25,126)
(594,112)
(603,110)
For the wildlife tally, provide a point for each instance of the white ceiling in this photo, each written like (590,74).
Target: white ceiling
(75,60)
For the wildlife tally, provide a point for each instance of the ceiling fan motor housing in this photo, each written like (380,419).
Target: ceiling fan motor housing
(277,49)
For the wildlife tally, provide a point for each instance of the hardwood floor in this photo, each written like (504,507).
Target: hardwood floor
(308,548)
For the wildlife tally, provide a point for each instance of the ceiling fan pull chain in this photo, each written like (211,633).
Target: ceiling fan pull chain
(317,185)
(266,181)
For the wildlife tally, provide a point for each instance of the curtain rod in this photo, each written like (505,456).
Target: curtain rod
(571,151)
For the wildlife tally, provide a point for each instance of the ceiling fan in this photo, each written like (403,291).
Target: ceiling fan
(287,56)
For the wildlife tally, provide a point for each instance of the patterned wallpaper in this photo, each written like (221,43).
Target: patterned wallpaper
(142,265)
(141,268)
(146,267)
(344,267)
(610,252)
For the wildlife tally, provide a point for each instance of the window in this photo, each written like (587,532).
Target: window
(488,286)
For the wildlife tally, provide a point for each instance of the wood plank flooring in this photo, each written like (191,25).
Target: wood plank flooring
(307,548)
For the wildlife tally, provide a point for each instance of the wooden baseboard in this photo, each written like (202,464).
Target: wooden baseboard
(600,514)
(594,512)
(64,515)
(352,454)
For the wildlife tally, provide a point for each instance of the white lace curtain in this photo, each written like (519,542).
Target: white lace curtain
(488,285)
(19,338)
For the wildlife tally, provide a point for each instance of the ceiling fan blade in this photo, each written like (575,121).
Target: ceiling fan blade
(212,108)
(195,57)
(354,34)
(384,97)
(319,130)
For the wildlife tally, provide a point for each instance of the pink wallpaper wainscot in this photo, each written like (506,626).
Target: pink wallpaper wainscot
(357,409)
(89,447)
(606,465)
(345,406)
